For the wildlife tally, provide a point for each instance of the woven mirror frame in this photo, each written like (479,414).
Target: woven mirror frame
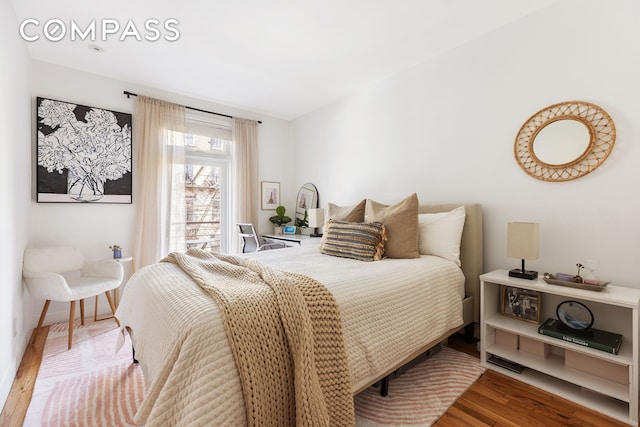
(602,137)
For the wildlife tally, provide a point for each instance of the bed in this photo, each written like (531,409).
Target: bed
(390,315)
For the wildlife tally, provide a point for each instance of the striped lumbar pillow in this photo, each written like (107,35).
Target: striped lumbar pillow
(363,241)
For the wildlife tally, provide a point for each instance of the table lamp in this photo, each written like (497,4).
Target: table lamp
(523,242)
(315,217)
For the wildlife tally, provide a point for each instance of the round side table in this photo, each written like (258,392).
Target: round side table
(123,260)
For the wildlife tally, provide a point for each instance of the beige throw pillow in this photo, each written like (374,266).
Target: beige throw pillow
(401,222)
(353,213)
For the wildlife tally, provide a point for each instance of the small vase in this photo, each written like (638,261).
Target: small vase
(589,276)
(117,253)
(577,279)
(277,230)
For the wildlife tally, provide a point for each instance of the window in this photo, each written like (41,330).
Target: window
(207,185)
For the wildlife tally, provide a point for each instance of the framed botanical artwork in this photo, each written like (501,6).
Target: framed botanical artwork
(270,195)
(83,154)
(523,304)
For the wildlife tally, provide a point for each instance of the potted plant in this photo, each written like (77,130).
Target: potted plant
(279,219)
(117,251)
(303,224)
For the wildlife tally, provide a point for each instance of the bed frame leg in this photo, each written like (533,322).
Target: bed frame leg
(384,386)
(133,351)
(468,333)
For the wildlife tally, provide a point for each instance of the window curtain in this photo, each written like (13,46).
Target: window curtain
(245,194)
(158,131)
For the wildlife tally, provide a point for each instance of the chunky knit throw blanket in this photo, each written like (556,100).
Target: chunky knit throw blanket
(285,333)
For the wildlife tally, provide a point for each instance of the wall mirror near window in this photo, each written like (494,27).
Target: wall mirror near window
(565,141)
(307,199)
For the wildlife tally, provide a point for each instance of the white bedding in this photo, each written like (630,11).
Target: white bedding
(389,308)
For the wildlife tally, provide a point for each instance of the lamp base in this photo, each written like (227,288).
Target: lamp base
(523,274)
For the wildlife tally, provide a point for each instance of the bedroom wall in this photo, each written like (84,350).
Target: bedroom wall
(93,227)
(15,186)
(446,128)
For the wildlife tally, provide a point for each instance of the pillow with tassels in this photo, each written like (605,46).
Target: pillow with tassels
(363,241)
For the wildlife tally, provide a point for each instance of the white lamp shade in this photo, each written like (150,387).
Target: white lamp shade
(523,240)
(315,217)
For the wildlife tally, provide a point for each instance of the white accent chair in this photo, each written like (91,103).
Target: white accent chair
(43,270)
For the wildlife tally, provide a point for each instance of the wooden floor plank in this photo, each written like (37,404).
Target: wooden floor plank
(15,408)
(461,415)
(459,419)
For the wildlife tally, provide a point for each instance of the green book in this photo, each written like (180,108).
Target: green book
(593,338)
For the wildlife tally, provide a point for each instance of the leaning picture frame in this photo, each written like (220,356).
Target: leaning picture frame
(306,200)
(270,195)
(521,304)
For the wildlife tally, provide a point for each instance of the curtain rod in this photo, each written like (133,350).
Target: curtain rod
(130,94)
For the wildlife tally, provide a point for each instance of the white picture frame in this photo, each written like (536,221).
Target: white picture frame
(270,191)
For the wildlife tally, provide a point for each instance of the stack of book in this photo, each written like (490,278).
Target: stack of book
(593,338)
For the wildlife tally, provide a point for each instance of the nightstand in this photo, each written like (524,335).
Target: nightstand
(292,239)
(552,366)
(125,260)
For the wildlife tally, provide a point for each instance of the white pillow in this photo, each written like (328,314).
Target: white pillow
(440,234)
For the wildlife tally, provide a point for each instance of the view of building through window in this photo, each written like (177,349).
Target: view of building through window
(205,192)
(202,197)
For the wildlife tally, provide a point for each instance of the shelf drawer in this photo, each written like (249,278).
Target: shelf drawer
(535,347)
(598,367)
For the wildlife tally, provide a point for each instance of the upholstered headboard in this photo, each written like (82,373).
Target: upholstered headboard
(470,252)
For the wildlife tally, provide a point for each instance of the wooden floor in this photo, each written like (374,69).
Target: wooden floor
(497,400)
(493,400)
(15,408)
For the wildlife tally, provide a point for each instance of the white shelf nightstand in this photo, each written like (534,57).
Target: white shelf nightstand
(615,309)
(292,239)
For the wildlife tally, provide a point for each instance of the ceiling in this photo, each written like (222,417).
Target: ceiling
(283,58)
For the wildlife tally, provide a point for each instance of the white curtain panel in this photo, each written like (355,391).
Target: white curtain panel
(245,193)
(158,132)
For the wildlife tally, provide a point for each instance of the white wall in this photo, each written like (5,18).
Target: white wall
(15,185)
(446,130)
(94,227)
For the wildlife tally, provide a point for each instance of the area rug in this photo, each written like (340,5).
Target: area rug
(90,385)
(422,394)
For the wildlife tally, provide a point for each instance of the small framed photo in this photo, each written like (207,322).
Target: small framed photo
(522,304)
(270,195)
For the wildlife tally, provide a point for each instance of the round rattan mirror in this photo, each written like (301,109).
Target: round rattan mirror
(565,141)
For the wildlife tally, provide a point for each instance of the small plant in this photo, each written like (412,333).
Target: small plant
(577,278)
(303,222)
(115,248)
(280,217)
